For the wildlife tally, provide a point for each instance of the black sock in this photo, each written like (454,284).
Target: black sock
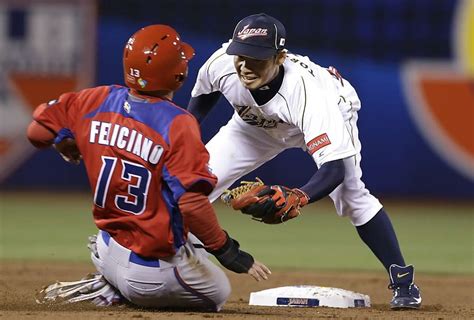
(379,236)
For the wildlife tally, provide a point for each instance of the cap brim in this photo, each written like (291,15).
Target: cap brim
(187,50)
(255,52)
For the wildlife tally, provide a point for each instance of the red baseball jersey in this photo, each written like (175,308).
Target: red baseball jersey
(141,155)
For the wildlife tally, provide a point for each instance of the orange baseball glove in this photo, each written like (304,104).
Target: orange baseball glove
(269,204)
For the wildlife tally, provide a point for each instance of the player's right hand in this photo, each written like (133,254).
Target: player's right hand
(259,271)
(69,151)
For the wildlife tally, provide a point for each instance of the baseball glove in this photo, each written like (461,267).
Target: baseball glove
(268,204)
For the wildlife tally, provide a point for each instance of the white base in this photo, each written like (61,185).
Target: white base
(309,296)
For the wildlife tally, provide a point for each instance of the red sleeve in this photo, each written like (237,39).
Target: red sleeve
(199,216)
(49,118)
(188,158)
(55,114)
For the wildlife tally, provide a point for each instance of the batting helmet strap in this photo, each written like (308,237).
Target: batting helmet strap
(155,58)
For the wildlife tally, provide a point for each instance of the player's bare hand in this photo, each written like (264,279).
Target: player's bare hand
(69,151)
(259,271)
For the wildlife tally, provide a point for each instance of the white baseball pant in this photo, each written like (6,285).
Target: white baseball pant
(186,280)
(238,149)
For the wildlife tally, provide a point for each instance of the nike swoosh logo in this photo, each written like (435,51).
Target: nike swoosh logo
(418,300)
(402,275)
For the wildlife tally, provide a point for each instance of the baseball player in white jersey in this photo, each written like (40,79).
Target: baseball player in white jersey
(283,100)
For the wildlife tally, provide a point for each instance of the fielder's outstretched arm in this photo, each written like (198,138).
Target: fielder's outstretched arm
(201,105)
(325,180)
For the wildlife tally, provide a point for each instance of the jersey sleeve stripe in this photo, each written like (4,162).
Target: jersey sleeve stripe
(224,76)
(211,62)
(286,102)
(304,108)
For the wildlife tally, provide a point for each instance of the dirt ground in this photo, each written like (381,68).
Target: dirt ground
(444,296)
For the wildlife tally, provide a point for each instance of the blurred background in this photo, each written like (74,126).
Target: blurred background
(412,63)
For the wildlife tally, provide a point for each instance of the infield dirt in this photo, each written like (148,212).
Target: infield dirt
(444,296)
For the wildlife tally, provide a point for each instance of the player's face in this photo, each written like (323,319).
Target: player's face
(255,73)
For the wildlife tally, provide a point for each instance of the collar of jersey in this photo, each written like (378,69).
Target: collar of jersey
(134,96)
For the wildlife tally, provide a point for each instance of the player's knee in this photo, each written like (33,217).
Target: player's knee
(223,292)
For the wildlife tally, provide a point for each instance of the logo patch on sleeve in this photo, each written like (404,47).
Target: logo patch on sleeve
(52,102)
(318,142)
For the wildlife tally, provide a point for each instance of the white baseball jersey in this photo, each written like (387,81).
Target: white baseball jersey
(305,107)
(314,110)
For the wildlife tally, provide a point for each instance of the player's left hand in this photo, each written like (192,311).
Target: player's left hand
(66,145)
(268,204)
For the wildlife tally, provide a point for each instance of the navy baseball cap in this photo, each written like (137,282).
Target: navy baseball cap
(258,36)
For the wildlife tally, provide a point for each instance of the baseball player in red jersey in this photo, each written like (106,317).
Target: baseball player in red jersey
(148,170)
(284,100)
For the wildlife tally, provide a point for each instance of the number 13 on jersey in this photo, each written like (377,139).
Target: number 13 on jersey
(137,191)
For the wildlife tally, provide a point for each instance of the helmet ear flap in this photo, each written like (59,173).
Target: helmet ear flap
(155,58)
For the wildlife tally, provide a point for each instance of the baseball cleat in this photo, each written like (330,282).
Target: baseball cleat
(406,295)
(92,287)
